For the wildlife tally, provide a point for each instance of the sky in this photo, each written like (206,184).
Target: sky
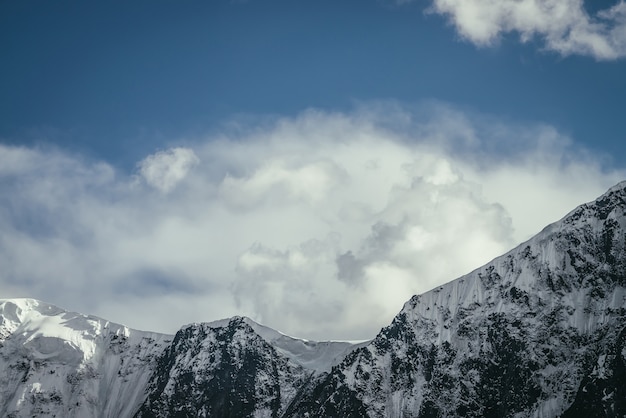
(311,164)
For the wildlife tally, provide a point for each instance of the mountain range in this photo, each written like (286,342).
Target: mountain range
(537,332)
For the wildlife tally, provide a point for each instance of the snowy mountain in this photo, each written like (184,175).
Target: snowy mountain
(235,368)
(537,332)
(64,364)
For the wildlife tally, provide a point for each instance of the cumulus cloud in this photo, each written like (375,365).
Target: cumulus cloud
(164,169)
(563,25)
(321,225)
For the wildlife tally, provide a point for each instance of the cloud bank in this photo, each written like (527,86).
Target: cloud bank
(563,25)
(321,225)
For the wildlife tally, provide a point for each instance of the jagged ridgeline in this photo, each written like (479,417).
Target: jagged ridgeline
(537,332)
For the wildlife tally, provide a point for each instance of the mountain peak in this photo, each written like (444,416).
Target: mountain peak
(617,188)
(312,355)
(611,204)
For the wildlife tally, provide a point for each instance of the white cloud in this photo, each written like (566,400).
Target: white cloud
(564,25)
(164,169)
(320,225)
(276,180)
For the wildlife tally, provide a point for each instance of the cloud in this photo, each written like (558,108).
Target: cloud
(164,169)
(563,25)
(321,225)
(276,180)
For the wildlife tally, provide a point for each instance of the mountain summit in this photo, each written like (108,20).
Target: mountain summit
(537,332)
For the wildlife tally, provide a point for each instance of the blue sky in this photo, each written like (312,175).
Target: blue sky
(118,77)
(211,154)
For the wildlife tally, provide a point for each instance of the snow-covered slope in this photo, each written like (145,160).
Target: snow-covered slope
(65,364)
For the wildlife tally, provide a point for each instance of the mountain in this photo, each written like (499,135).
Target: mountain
(537,332)
(65,364)
(235,368)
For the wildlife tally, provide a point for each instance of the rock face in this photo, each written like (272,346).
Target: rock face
(221,372)
(538,332)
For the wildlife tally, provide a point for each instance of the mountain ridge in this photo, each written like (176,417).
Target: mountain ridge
(545,315)
(40,339)
(537,332)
